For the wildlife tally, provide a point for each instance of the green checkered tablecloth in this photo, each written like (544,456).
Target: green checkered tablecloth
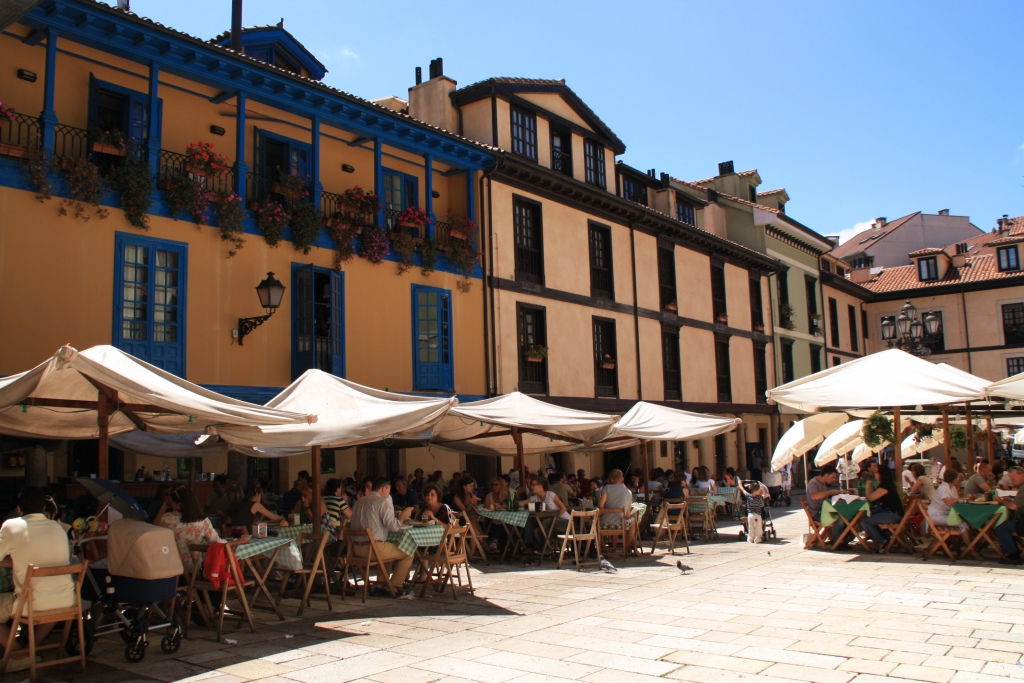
(291,531)
(412,537)
(830,512)
(976,515)
(258,546)
(514,517)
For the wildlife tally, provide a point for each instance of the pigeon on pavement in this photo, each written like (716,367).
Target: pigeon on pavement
(607,566)
(683,568)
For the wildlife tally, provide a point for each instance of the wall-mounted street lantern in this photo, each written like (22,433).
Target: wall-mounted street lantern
(908,332)
(270,292)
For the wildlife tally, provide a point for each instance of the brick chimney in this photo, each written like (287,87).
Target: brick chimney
(431,102)
(726,168)
(879,223)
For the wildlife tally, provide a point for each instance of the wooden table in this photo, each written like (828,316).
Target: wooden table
(267,548)
(414,540)
(513,521)
(850,513)
(984,518)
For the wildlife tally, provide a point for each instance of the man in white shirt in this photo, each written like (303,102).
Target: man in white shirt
(376,513)
(35,539)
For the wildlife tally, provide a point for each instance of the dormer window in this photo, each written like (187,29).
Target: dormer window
(593,161)
(524,133)
(685,212)
(634,190)
(753,194)
(927,269)
(1008,258)
(561,151)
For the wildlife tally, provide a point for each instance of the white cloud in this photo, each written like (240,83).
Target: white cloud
(853,230)
(341,54)
(1021,148)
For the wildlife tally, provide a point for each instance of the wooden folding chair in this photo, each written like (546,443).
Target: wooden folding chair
(671,522)
(816,531)
(26,615)
(700,517)
(901,534)
(475,537)
(314,566)
(581,535)
(200,588)
(363,539)
(941,535)
(450,557)
(613,538)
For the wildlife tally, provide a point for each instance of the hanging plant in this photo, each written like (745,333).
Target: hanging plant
(374,245)
(877,430)
(271,219)
(343,234)
(201,160)
(131,178)
(227,208)
(359,206)
(428,255)
(405,245)
(186,193)
(85,189)
(957,438)
(37,170)
(922,432)
(306,221)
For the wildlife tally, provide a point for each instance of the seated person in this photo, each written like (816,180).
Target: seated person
(1015,505)
(730,478)
(821,488)
(533,535)
(190,525)
(34,539)
(704,480)
(500,497)
(614,497)
(981,482)
(945,497)
(403,496)
(250,510)
(433,508)
(676,488)
(886,506)
(219,504)
(376,513)
(922,485)
(556,483)
(335,504)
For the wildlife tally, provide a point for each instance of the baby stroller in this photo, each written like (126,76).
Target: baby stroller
(777,489)
(767,526)
(142,570)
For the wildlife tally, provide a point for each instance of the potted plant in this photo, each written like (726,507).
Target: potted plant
(291,188)
(201,160)
(412,220)
(305,220)
(607,362)
(463,256)
(112,142)
(535,353)
(359,206)
(877,429)
(344,234)
(7,114)
(227,209)
(786,316)
(133,182)
(460,227)
(185,193)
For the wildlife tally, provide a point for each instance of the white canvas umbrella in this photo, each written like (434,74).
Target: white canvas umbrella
(912,446)
(804,435)
(842,440)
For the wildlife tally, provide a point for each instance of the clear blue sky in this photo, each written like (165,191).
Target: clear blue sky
(859,109)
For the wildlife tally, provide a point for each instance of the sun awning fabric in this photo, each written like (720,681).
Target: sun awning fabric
(60,399)
(486,427)
(804,435)
(186,445)
(349,414)
(1011,387)
(652,422)
(890,378)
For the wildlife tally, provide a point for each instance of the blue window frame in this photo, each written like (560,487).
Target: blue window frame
(114,110)
(318,320)
(401,191)
(432,339)
(150,281)
(276,155)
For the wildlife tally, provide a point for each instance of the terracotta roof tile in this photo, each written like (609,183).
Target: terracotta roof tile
(979,268)
(741,173)
(1010,239)
(768,192)
(927,251)
(859,242)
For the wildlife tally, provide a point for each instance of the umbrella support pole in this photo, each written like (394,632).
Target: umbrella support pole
(897,445)
(517,437)
(103,446)
(945,438)
(315,472)
(970,437)
(988,442)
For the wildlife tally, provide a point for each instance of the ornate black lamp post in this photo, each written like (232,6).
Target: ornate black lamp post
(908,332)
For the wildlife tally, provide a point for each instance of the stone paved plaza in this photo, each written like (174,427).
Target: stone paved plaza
(768,612)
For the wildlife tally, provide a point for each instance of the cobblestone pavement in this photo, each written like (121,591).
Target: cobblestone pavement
(768,612)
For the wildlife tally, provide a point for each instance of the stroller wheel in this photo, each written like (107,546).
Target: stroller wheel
(89,628)
(135,652)
(170,643)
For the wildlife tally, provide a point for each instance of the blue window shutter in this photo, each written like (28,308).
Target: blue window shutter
(138,119)
(303,331)
(337,340)
(432,352)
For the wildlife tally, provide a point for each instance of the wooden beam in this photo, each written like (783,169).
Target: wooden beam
(897,446)
(315,471)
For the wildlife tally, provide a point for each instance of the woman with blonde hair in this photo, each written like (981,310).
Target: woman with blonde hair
(614,497)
